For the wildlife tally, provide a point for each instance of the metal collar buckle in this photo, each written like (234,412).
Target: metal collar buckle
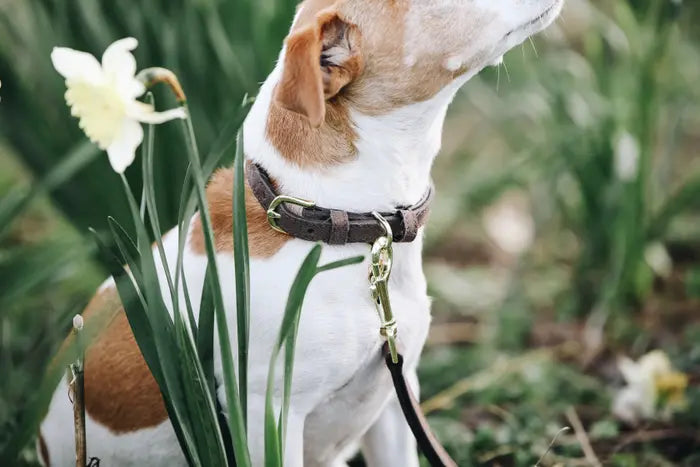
(273,215)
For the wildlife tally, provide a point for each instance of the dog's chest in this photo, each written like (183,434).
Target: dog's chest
(340,383)
(340,378)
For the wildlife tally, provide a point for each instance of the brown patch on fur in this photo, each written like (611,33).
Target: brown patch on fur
(332,143)
(387,82)
(120,392)
(301,88)
(263,242)
(43,451)
(309,121)
(374,79)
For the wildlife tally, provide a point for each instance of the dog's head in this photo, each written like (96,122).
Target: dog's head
(380,55)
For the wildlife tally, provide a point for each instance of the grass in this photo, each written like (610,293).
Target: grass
(523,344)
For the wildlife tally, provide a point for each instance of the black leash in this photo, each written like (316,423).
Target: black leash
(427,443)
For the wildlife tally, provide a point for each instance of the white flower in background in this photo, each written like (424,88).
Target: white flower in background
(509,224)
(654,388)
(658,259)
(626,157)
(103,96)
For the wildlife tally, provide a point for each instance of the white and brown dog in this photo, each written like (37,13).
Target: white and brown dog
(350,118)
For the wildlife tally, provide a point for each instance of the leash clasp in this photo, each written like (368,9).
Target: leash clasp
(273,215)
(380,270)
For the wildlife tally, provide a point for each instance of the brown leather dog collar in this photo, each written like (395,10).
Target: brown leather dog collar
(309,222)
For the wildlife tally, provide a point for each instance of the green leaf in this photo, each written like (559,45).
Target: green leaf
(41,395)
(205,334)
(135,310)
(15,203)
(201,401)
(242,271)
(163,333)
(235,419)
(133,303)
(149,192)
(23,270)
(340,264)
(275,433)
(188,204)
(127,248)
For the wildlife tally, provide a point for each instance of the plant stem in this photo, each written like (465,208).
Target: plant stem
(77,387)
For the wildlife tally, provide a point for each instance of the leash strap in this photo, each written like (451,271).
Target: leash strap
(302,219)
(382,260)
(426,440)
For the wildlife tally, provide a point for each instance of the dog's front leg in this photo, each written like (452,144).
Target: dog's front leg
(389,442)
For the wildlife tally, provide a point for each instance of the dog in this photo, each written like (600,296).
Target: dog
(351,118)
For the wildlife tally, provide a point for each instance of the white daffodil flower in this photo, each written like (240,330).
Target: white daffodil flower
(509,223)
(654,388)
(103,96)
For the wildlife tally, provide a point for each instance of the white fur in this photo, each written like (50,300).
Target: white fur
(472,33)
(342,394)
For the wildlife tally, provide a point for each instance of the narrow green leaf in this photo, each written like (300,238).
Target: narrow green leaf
(127,248)
(133,303)
(235,419)
(163,332)
(242,271)
(188,306)
(40,398)
(149,192)
(188,203)
(205,334)
(202,407)
(274,434)
(14,204)
(340,264)
(135,309)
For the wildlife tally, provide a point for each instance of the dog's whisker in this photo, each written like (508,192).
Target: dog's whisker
(498,77)
(505,68)
(534,48)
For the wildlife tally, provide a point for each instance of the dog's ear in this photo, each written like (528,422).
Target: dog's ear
(321,59)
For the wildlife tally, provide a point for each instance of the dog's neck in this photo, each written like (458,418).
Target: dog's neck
(391,165)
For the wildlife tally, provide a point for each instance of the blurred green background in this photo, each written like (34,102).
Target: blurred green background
(566,231)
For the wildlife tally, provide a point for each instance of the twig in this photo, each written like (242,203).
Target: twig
(495,454)
(551,444)
(77,386)
(582,437)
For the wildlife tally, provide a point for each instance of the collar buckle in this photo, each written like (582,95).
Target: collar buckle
(273,216)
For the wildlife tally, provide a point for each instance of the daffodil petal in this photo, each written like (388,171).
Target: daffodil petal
(118,59)
(132,88)
(76,65)
(122,151)
(630,370)
(145,114)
